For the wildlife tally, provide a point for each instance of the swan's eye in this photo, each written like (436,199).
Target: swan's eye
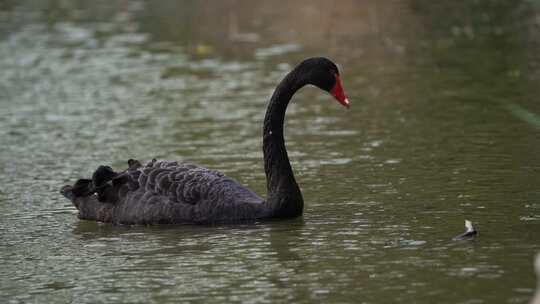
(338,93)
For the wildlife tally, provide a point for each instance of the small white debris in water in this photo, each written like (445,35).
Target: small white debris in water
(469,226)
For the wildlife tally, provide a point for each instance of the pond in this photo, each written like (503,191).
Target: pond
(444,126)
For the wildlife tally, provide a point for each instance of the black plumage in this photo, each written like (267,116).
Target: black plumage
(163,192)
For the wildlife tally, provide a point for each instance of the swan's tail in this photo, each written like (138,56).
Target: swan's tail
(104,186)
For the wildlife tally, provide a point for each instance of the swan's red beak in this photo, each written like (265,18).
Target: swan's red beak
(339,95)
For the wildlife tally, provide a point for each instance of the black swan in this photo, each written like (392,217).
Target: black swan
(163,192)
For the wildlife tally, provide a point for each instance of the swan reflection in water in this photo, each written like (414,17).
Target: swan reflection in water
(201,256)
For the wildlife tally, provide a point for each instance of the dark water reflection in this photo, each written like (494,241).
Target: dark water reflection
(442,128)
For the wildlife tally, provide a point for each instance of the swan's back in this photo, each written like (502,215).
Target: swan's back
(164,193)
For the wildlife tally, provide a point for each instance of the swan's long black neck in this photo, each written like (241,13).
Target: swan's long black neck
(284,196)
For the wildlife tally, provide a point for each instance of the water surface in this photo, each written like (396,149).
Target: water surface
(443,127)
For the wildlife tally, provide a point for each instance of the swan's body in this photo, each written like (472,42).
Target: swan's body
(168,192)
(165,193)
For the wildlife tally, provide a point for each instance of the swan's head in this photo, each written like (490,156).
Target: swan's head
(324,74)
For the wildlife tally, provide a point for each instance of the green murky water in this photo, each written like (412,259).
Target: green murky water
(443,127)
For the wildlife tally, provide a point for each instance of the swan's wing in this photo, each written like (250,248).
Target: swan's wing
(189,184)
(163,192)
